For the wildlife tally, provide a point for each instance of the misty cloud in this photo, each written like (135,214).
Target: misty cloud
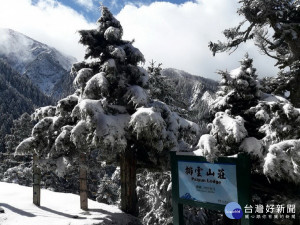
(175,35)
(178,35)
(48,21)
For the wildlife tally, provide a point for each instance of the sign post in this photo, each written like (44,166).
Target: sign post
(199,183)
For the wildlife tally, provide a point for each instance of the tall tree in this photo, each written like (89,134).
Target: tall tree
(281,18)
(110,112)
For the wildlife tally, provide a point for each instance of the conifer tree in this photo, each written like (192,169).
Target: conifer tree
(282,18)
(247,120)
(111,113)
(20,130)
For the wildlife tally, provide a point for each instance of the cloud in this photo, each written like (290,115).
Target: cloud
(175,35)
(178,35)
(88,4)
(114,3)
(46,21)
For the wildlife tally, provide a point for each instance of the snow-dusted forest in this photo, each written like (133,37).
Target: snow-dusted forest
(103,128)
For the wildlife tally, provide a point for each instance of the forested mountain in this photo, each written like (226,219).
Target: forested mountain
(189,84)
(46,67)
(17,95)
(193,94)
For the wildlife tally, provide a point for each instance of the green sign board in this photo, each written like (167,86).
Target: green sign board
(199,183)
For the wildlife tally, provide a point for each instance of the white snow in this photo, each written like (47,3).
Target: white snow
(144,78)
(97,84)
(222,101)
(236,73)
(137,96)
(87,108)
(79,134)
(282,161)
(112,33)
(290,111)
(145,121)
(25,146)
(242,83)
(272,98)
(44,112)
(207,147)
(109,65)
(253,146)
(287,94)
(231,128)
(119,53)
(111,130)
(56,209)
(83,76)
(262,115)
(62,164)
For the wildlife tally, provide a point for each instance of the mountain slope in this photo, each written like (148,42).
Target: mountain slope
(43,65)
(17,95)
(189,84)
(196,92)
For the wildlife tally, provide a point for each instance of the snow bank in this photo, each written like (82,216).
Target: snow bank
(56,208)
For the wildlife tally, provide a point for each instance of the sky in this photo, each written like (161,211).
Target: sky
(175,33)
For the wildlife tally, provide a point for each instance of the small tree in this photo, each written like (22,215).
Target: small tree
(162,88)
(20,130)
(110,112)
(158,87)
(282,17)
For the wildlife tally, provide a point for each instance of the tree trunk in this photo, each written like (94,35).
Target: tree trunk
(128,182)
(36,182)
(83,182)
(295,90)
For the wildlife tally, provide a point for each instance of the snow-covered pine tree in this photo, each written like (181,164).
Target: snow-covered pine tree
(238,91)
(158,86)
(162,88)
(20,130)
(282,18)
(110,112)
(266,128)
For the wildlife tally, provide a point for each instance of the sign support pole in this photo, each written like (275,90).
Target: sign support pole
(177,207)
(243,179)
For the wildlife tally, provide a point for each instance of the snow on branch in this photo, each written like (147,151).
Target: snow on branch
(282,161)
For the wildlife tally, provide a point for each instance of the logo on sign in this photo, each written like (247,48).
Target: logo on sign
(233,211)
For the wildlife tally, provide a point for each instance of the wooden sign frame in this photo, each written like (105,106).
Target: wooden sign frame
(242,163)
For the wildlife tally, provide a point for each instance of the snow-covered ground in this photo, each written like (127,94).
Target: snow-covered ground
(56,209)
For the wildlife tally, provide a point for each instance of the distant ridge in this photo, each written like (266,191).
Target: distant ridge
(45,66)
